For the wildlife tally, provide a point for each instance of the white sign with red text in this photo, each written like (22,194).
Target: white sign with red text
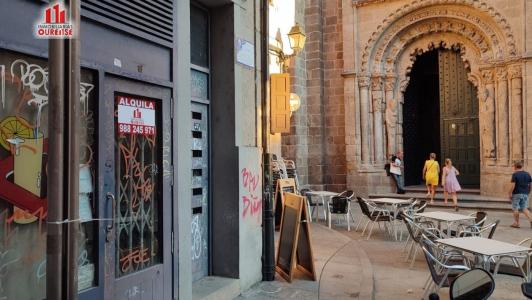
(136,116)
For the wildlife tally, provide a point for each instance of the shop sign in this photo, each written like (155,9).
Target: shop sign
(136,116)
(54,23)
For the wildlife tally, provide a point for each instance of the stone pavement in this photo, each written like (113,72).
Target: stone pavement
(376,269)
(343,271)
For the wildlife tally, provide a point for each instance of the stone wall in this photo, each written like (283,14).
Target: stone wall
(344,115)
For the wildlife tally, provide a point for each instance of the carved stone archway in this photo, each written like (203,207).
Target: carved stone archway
(488,48)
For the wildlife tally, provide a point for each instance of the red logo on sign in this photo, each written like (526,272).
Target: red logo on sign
(137,114)
(58,13)
(54,23)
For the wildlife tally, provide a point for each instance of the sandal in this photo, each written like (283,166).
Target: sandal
(456,208)
(515,226)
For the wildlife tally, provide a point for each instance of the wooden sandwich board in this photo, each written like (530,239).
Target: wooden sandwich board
(295,248)
(283,185)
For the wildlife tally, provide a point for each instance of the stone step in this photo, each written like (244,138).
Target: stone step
(423,189)
(465,201)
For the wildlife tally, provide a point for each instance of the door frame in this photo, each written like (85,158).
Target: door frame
(111,86)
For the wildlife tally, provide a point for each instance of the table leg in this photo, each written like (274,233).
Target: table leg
(486,263)
(325,207)
(528,268)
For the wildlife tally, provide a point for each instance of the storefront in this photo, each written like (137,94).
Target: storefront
(156,180)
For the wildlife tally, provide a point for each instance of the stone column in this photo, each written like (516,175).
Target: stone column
(516,114)
(390,115)
(487,114)
(377,110)
(363,85)
(502,116)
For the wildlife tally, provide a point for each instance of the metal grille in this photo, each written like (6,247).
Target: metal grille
(153,18)
(137,243)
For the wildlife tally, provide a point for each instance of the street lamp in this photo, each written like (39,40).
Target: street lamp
(296,38)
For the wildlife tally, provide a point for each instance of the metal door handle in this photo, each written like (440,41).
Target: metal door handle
(110,227)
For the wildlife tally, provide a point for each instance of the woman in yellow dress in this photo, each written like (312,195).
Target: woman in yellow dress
(431,172)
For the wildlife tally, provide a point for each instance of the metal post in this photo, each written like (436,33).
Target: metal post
(73,151)
(54,228)
(268,243)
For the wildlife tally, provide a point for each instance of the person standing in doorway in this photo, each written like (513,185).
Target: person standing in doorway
(450,183)
(395,170)
(431,173)
(518,193)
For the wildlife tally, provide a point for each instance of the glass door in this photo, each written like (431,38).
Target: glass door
(139,192)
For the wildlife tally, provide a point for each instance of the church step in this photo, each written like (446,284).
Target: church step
(465,201)
(423,189)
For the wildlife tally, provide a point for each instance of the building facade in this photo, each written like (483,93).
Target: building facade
(170,148)
(443,76)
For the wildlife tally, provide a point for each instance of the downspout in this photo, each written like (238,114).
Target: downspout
(54,225)
(73,77)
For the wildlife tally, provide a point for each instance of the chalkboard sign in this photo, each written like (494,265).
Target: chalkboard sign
(305,257)
(283,186)
(294,248)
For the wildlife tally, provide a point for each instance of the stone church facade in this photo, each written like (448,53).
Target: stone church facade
(356,68)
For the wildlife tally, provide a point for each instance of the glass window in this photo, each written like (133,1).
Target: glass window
(199,36)
(23,177)
(199,82)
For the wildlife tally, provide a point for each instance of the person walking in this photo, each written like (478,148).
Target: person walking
(431,173)
(395,171)
(450,183)
(518,193)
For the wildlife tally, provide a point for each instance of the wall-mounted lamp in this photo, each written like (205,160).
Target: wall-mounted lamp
(295,102)
(296,38)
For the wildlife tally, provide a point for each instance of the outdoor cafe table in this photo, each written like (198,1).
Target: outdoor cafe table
(448,218)
(487,248)
(395,203)
(322,195)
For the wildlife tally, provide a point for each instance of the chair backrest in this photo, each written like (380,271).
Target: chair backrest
(349,194)
(480,218)
(431,259)
(421,206)
(493,228)
(339,205)
(363,206)
(412,229)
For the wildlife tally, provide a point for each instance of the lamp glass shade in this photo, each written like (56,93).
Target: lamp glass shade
(295,102)
(296,38)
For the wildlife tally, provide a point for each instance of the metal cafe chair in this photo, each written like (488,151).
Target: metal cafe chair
(442,270)
(340,205)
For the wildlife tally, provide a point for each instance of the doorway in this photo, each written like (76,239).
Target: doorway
(137,189)
(440,115)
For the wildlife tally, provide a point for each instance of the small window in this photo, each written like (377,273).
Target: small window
(197,172)
(197,191)
(196,134)
(196,115)
(197,153)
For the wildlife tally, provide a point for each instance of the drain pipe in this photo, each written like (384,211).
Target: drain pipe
(73,77)
(54,226)
(268,243)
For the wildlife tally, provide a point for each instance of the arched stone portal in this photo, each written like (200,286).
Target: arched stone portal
(488,48)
